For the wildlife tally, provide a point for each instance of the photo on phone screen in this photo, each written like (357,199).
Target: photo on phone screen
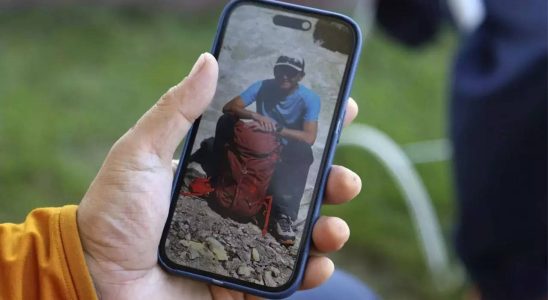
(253,168)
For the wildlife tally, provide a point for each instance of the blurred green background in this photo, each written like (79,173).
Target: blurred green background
(73,79)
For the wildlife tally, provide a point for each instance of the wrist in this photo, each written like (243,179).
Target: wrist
(111,281)
(279,128)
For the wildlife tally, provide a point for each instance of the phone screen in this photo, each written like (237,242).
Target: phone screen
(253,168)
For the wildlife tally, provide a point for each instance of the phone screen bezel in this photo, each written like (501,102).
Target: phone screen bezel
(334,127)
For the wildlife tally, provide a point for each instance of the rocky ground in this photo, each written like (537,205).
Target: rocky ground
(201,238)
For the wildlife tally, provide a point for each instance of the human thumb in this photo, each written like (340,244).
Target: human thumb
(163,127)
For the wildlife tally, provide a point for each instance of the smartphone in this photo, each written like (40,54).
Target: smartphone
(253,167)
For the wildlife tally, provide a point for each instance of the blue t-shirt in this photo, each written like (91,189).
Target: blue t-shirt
(291,111)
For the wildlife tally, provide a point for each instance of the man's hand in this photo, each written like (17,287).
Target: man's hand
(265,123)
(122,215)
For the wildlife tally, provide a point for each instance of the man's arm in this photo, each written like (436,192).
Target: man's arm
(307,135)
(43,258)
(236,107)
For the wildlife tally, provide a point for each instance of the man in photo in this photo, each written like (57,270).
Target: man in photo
(291,110)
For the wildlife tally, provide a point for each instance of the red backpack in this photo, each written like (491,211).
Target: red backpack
(246,171)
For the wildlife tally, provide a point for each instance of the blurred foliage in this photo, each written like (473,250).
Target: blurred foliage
(72,81)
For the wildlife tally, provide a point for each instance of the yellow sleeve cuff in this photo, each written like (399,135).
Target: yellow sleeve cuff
(75,268)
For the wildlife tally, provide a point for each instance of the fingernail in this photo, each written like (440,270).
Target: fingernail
(197,66)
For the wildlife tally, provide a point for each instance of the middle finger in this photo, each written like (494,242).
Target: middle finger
(342,185)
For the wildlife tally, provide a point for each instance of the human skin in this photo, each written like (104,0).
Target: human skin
(122,215)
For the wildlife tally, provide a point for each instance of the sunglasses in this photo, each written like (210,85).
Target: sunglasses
(289,72)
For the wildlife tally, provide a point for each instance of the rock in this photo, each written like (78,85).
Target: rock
(193,254)
(233,264)
(202,234)
(268,280)
(243,256)
(201,238)
(212,242)
(275,271)
(244,271)
(195,246)
(258,281)
(255,255)
(256,229)
(232,242)
(294,250)
(217,248)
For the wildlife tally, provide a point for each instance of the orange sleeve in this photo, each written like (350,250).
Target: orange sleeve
(42,258)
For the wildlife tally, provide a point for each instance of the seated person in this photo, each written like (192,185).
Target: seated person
(290,109)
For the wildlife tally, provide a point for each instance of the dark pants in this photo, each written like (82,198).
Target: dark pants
(289,179)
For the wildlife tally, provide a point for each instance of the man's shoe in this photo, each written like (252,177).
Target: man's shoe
(283,230)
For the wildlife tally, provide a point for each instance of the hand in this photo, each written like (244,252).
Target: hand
(254,125)
(265,123)
(121,216)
